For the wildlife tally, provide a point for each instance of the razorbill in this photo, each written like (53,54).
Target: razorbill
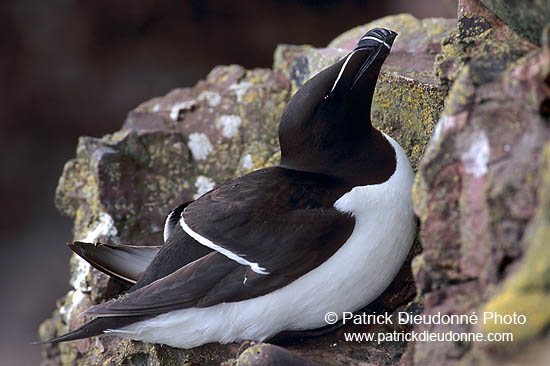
(276,249)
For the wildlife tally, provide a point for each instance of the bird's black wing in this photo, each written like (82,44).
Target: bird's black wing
(283,220)
(272,219)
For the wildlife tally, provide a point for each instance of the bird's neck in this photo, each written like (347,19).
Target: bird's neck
(367,160)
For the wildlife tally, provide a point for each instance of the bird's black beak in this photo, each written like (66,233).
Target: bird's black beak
(377,42)
(359,70)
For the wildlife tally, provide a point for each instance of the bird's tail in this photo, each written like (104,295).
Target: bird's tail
(125,262)
(96,327)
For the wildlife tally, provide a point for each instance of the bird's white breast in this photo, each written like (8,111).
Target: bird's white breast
(353,277)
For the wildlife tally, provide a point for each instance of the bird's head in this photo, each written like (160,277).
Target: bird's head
(328,118)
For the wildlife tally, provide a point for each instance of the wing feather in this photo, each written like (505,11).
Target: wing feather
(284,220)
(125,262)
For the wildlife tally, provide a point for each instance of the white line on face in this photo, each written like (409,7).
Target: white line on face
(341,71)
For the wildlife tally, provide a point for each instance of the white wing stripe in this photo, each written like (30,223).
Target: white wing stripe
(229,254)
(167,226)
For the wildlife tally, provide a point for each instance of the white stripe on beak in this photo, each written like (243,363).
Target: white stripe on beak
(377,40)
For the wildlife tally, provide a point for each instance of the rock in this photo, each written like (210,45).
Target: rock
(527,290)
(480,167)
(263,354)
(477,191)
(525,17)
(480,37)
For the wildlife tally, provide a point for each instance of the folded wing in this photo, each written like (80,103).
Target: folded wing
(282,220)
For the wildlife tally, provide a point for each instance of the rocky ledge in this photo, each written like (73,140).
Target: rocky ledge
(468,99)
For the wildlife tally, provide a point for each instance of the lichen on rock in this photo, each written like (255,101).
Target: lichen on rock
(476,194)
(467,99)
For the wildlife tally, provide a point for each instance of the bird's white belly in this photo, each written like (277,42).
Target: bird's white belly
(353,277)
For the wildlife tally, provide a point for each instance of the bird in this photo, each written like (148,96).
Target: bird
(326,230)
